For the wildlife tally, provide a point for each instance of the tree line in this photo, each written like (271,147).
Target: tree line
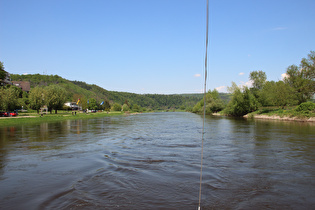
(53,91)
(297,87)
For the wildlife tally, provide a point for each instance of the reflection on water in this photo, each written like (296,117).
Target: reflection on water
(152,161)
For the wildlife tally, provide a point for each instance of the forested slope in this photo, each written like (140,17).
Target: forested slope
(82,90)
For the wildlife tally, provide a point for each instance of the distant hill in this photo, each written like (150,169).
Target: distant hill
(78,89)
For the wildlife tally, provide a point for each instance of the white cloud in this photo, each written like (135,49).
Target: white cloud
(25,73)
(247,84)
(197,75)
(221,89)
(284,75)
(242,73)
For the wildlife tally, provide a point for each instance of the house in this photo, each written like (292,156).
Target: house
(6,80)
(24,85)
(73,105)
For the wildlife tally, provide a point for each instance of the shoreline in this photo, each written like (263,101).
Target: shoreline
(274,117)
(20,120)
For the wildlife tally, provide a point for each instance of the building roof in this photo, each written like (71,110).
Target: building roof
(24,85)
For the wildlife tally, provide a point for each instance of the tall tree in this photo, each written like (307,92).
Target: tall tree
(2,71)
(9,98)
(55,97)
(37,98)
(242,102)
(302,79)
(258,78)
(278,94)
(92,104)
(213,103)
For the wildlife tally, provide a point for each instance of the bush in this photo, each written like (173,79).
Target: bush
(242,102)
(306,107)
(116,107)
(125,108)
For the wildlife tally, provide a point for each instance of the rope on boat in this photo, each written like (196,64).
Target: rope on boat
(204,103)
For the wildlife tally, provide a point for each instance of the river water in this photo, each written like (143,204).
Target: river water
(152,161)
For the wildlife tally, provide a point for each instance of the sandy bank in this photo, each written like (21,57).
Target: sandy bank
(274,117)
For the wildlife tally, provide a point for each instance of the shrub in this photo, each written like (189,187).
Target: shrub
(306,107)
(116,107)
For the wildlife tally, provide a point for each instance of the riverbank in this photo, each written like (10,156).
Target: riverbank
(284,118)
(274,117)
(33,118)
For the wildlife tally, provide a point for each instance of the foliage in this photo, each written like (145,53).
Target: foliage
(258,78)
(106,105)
(2,71)
(92,105)
(37,98)
(306,107)
(151,101)
(116,107)
(277,94)
(303,111)
(125,108)
(213,103)
(136,108)
(302,79)
(9,98)
(55,97)
(243,101)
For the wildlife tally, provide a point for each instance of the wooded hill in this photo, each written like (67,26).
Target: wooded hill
(82,90)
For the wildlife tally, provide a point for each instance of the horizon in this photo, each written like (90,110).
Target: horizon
(155,47)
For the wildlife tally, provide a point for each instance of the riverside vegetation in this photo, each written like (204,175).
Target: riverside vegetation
(291,97)
(52,91)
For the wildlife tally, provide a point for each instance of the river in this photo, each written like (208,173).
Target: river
(152,161)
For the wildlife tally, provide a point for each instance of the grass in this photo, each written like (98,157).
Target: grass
(286,112)
(33,118)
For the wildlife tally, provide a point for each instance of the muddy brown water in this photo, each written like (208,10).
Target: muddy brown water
(152,161)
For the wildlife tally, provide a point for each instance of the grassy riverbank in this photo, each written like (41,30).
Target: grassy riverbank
(33,118)
(289,113)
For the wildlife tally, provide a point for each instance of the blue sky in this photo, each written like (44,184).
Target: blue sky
(155,46)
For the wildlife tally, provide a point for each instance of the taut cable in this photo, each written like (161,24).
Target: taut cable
(204,104)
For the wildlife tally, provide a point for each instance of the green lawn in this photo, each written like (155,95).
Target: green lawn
(286,112)
(31,118)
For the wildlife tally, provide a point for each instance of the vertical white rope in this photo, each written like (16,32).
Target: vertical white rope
(204,104)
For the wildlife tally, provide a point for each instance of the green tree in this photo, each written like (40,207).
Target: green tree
(302,79)
(2,71)
(243,101)
(136,108)
(9,98)
(125,108)
(278,94)
(55,97)
(92,104)
(83,102)
(213,103)
(116,107)
(106,106)
(258,78)
(37,98)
